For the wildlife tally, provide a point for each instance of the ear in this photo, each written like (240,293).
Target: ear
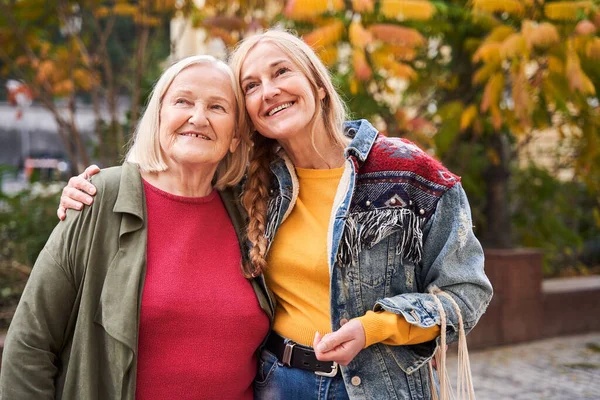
(235,142)
(321,93)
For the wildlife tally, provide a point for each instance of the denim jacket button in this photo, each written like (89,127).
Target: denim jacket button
(421,211)
(393,201)
(355,380)
(367,203)
(343,321)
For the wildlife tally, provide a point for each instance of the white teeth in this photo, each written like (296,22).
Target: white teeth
(197,135)
(279,108)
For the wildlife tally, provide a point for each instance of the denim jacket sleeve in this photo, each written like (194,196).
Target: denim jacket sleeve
(452,261)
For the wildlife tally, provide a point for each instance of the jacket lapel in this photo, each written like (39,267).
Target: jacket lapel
(118,311)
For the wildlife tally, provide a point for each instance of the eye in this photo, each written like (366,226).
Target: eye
(217,107)
(282,71)
(249,87)
(181,101)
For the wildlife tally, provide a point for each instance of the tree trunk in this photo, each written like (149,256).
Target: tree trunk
(497,232)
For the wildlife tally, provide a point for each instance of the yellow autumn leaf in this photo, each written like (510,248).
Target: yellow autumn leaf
(63,87)
(521,95)
(125,9)
(325,35)
(514,46)
(389,33)
(146,20)
(485,72)
(542,35)
(468,116)
(354,85)
(386,61)
(359,36)
(45,71)
(419,10)
(102,12)
(492,92)
(328,54)
(401,70)
(488,53)
(567,10)
(397,52)
(309,9)
(593,49)
(362,6)
(362,70)
(578,80)
(82,79)
(555,65)
(512,7)
(500,33)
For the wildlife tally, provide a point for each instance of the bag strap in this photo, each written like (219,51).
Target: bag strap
(464,381)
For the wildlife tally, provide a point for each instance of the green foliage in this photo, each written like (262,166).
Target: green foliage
(554,216)
(26,221)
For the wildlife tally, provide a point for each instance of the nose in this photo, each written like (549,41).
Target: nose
(270,90)
(198,116)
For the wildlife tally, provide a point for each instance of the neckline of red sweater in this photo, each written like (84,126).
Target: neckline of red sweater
(180,199)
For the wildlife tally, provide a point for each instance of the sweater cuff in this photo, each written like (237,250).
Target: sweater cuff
(392,329)
(379,326)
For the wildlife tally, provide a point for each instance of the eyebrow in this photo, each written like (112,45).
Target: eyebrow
(272,65)
(188,92)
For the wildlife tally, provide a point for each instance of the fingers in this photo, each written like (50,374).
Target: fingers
(67,202)
(91,171)
(71,196)
(341,346)
(316,340)
(61,213)
(81,183)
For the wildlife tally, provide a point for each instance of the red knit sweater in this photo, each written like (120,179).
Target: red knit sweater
(200,321)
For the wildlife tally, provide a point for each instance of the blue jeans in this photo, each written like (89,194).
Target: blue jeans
(275,381)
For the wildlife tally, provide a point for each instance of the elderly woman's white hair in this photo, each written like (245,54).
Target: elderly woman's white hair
(145,149)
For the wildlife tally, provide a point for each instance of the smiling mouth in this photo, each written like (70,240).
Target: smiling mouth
(279,108)
(196,135)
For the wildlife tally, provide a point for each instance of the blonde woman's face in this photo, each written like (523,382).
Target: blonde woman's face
(197,117)
(279,98)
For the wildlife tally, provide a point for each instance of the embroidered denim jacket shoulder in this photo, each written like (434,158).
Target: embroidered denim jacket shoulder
(400,226)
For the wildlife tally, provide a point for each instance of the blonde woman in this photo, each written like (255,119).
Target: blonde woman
(141,296)
(365,241)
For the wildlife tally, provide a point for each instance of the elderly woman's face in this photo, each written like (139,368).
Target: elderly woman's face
(197,117)
(280,99)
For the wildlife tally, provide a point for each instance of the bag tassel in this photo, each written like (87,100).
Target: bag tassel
(464,380)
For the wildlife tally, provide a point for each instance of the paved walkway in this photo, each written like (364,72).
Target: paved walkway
(566,368)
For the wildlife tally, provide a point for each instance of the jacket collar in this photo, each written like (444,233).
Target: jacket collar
(118,311)
(363,136)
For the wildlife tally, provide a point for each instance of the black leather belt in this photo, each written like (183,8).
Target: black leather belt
(295,355)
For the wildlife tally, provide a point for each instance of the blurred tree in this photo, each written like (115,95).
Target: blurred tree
(484,73)
(63,49)
(537,67)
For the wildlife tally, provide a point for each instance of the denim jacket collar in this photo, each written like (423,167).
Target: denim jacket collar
(363,136)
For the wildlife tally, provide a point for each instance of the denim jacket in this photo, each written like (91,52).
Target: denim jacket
(391,240)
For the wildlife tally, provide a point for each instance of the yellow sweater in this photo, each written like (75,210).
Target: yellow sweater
(298,272)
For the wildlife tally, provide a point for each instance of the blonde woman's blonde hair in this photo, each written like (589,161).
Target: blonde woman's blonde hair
(331,110)
(145,147)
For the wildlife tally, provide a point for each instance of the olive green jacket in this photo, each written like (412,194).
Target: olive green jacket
(75,332)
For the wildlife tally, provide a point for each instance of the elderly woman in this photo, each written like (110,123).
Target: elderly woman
(141,295)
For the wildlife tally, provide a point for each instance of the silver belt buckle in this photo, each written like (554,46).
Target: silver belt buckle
(287,353)
(334,371)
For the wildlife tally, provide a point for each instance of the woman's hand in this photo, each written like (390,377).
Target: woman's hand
(342,345)
(75,194)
